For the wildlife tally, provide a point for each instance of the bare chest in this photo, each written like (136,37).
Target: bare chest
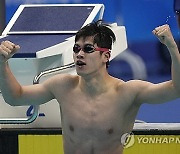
(96,116)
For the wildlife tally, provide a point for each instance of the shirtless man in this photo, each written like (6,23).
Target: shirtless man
(97,109)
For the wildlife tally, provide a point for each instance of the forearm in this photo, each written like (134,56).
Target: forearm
(175,69)
(10,88)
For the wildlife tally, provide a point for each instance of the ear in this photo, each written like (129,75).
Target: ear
(107,56)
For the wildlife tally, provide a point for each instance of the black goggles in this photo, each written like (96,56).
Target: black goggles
(88,48)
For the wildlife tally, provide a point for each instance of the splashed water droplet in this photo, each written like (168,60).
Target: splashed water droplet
(167,18)
(170,17)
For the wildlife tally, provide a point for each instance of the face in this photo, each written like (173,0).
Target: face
(88,61)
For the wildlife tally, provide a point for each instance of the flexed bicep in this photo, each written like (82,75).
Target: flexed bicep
(156,93)
(34,95)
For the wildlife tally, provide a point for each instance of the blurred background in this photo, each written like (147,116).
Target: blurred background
(139,17)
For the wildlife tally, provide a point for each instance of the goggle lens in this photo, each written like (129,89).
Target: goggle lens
(88,48)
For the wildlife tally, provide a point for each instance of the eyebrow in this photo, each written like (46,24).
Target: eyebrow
(85,44)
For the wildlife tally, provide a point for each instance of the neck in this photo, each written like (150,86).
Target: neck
(95,84)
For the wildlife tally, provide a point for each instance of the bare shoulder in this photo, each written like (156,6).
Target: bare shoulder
(131,87)
(62,81)
(64,78)
(135,83)
(128,91)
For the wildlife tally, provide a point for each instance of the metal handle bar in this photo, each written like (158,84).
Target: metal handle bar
(21,120)
(51,71)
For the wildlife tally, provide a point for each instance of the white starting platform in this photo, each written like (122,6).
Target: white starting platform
(45,34)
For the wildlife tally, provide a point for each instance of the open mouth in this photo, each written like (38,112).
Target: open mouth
(80,63)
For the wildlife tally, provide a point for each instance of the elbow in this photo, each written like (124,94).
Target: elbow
(12,102)
(15,99)
(177,89)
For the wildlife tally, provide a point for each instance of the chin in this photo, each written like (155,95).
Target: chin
(82,73)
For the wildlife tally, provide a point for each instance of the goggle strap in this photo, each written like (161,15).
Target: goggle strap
(102,49)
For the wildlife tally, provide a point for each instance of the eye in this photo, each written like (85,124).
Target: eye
(89,48)
(76,48)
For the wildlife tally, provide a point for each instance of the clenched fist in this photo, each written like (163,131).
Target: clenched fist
(7,50)
(163,33)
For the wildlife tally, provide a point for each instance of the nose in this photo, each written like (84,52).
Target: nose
(80,54)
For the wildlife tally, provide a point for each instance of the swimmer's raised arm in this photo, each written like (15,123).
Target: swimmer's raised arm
(165,36)
(13,93)
(166,91)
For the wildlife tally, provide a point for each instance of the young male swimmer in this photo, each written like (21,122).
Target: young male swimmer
(97,108)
